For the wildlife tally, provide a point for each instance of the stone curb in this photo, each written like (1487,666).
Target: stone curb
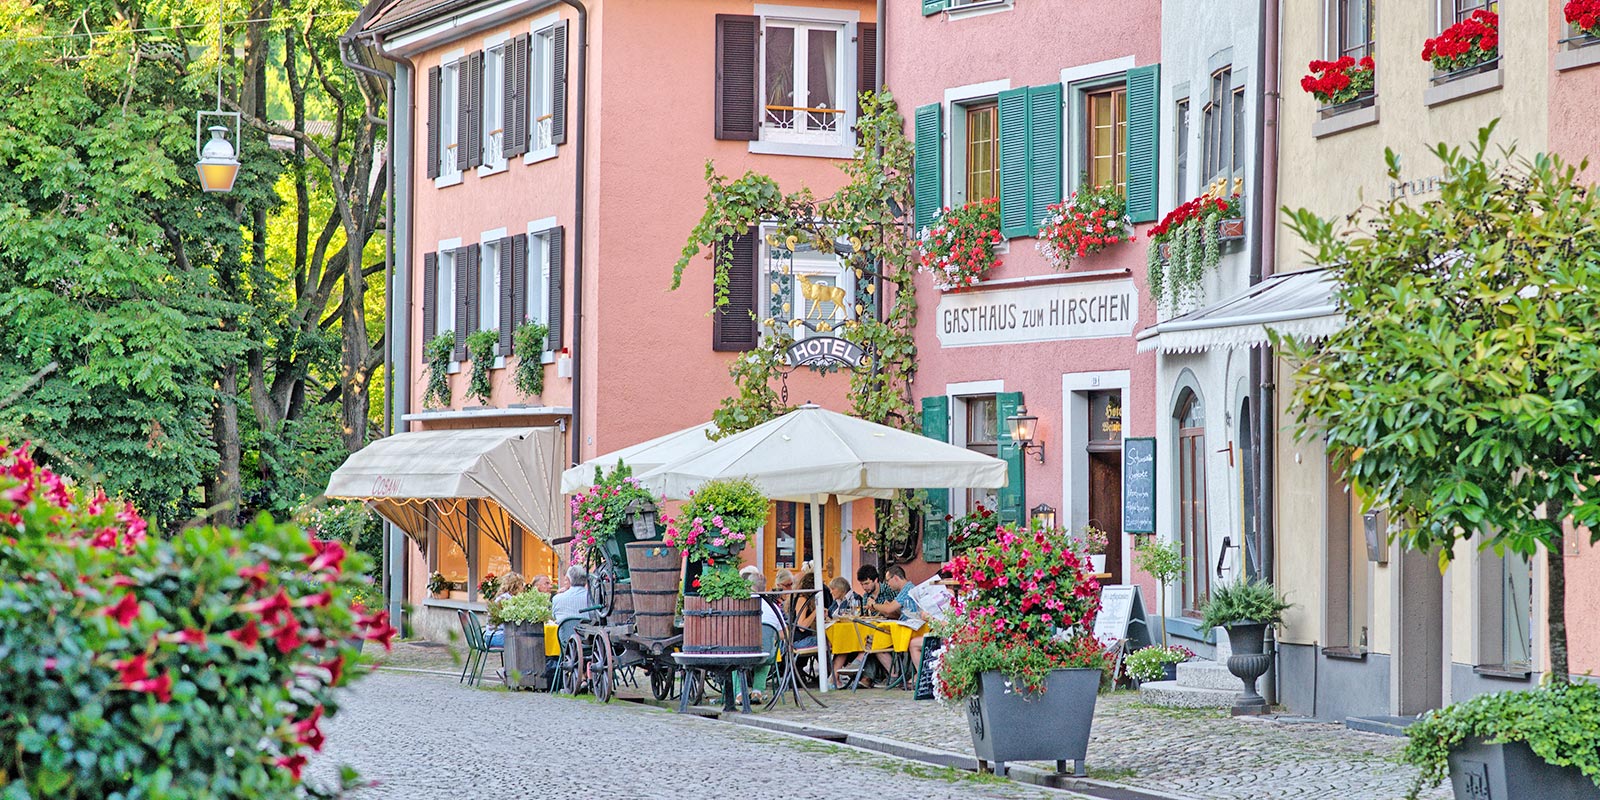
(1111,790)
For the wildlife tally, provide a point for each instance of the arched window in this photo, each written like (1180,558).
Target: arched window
(1192,533)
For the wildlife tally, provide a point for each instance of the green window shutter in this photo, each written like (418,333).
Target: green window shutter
(932,6)
(935,528)
(1144,141)
(1014,167)
(1044,142)
(1014,494)
(927,161)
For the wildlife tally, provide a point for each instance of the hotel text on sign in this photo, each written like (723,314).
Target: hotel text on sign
(1038,313)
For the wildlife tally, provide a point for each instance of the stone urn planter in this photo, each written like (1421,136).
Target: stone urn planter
(1248,663)
(524,655)
(1011,724)
(721,627)
(1510,771)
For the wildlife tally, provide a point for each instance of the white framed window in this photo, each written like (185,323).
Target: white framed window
(444,281)
(805,285)
(541,96)
(489,281)
(537,282)
(494,105)
(804,89)
(449,136)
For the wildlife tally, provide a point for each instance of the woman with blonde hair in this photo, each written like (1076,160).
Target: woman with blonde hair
(511,585)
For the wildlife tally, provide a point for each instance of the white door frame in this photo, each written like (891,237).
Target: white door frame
(1074,456)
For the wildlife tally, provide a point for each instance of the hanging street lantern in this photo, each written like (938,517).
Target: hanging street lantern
(218,163)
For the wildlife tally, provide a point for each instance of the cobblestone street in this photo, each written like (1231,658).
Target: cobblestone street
(419,735)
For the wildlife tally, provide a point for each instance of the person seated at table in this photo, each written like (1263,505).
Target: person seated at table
(571,603)
(805,613)
(783,582)
(842,601)
(904,608)
(769,618)
(874,593)
(542,583)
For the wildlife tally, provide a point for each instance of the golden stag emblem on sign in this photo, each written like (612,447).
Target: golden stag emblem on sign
(818,293)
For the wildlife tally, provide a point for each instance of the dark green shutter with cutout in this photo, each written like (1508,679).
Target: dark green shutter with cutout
(1014,168)
(928,181)
(935,528)
(930,7)
(1044,150)
(1144,142)
(1014,494)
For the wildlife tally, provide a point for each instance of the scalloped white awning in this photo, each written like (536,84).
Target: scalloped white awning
(1298,305)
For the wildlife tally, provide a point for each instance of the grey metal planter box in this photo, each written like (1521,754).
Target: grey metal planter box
(524,656)
(1511,771)
(1010,725)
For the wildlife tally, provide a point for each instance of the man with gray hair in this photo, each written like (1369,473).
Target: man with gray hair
(571,603)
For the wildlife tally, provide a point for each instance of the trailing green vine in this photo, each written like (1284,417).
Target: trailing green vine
(1193,247)
(527,344)
(480,348)
(437,352)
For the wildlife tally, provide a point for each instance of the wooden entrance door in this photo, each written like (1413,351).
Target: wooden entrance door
(1105,506)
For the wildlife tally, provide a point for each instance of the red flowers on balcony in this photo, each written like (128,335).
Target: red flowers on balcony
(1585,14)
(1337,82)
(1467,43)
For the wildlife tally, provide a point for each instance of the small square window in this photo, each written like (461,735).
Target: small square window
(1352,27)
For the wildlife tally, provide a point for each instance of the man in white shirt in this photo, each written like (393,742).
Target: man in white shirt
(571,603)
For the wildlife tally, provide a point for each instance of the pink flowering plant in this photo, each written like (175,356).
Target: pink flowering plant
(972,528)
(137,665)
(958,248)
(1025,606)
(717,521)
(603,507)
(1090,221)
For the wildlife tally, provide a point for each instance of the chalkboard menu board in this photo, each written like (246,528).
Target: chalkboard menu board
(931,650)
(1139,485)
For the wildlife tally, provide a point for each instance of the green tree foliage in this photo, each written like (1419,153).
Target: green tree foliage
(1463,392)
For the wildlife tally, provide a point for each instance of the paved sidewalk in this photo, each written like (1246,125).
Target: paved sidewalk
(1200,753)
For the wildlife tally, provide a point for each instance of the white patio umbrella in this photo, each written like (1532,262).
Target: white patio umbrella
(811,453)
(642,457)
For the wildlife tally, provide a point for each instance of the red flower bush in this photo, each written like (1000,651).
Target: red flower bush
(140,666)
(1088,222)
(1585,14)
(1340,81)
(958,248)
(1025,605)
(1198,208)
(1467,43)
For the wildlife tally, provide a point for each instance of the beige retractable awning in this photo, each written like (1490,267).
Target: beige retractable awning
(448,481)
(1298,305)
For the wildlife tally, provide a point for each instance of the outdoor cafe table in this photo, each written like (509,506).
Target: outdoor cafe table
(849,635)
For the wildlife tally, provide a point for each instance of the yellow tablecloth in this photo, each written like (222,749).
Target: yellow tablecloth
(552,640)
(902,633)
(853,636)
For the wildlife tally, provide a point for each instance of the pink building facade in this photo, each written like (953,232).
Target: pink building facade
(1013,101)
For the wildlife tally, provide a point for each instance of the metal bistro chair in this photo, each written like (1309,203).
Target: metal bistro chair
(563,633)
(478,649)
(879,636)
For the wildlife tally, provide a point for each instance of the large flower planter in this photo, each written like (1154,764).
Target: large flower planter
(1511,771)
(721,627)
(1010,724)
(1248,663)
(524,655)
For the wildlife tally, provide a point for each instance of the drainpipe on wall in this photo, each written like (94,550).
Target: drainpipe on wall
(1265,207)
(579,149)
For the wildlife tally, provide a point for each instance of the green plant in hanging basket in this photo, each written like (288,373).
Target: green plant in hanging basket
(437,352)
(527,344)
(480,347)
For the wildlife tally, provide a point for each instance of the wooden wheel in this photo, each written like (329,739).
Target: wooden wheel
(694,684)
(661,679)
(572,665)
(602,582)
(602,669)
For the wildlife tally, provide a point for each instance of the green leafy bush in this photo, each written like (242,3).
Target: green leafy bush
(1560,722)
(480,348)
(199,666)
(531,607)
(1150,663)
(438,352)
(722,583)
(527,342)
(1243,601)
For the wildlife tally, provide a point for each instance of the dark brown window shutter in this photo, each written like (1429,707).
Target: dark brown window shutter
(506,322)
(558,84)
(733,326)
(430,298)
(866,60)
(433,122)
(738,47)
(515,71)
(519,279)
(466,276)
(557,307)
(469,105)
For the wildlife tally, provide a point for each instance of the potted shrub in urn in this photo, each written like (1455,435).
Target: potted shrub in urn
(711,529)
(522,617)
(1246,609)
(1539,743)
(1020,650)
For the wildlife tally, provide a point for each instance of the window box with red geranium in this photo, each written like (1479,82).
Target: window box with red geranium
(1583,30)
(1341,85)
(958,248)
(1471,45)
(1187,244)
(1090,221)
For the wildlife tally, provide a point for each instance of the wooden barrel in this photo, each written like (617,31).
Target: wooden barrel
(622,604)
(721,626)
(524,655)
(653,570)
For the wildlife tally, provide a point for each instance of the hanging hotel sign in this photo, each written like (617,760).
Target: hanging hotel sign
(1038,313)
(824,351)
